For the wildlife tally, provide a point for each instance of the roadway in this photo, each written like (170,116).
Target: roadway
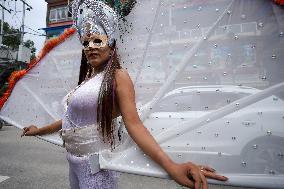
(30,163)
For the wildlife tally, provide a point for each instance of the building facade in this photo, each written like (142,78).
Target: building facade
(58,17)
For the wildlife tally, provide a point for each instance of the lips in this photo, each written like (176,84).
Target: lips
(94,54)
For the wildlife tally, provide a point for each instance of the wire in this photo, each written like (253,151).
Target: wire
(35,34)
(15,14)
(11,34)
(34,30)
(18,19)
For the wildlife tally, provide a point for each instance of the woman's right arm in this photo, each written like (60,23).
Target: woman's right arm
(34,130)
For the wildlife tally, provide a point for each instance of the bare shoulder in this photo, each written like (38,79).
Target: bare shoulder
(122,76)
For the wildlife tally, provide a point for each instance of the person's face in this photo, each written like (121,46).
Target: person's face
(96,49)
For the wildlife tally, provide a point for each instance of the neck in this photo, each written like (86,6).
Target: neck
(100,68)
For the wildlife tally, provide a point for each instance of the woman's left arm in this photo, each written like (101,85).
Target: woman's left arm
(141,136)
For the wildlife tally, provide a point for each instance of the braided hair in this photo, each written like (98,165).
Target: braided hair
(106,97)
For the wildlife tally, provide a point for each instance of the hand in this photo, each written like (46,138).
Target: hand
(193,176)
(30,131)
(210,173)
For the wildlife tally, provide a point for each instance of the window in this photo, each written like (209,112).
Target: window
(52,15)
(59,14)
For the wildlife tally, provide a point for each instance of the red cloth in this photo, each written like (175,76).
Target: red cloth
(279,2)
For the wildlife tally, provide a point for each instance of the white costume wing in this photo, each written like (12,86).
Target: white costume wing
(209,84)
(210,87)
(36,98)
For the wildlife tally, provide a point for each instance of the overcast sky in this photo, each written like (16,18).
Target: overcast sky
(34,20)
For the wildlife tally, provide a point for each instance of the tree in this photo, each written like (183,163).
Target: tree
(31,45)
(12,39)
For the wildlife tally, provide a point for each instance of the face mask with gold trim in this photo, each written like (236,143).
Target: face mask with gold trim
(94,41)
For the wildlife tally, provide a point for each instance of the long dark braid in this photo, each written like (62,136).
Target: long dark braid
(84,68)
(106,98)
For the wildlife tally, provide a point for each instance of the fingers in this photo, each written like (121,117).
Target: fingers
(204,181)
(207,168)
(197,176)
(25,129)
(215,176)
(194,172)
(189,183)
(199,179)
(194,176)
(210,173)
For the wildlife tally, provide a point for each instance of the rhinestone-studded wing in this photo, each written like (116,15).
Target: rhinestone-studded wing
(209,86)
(36,98)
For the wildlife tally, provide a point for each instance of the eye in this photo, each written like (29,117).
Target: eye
(98,41)
(86,43)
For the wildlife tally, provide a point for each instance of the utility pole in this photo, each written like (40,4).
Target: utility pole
(2,20)
(23,19)
(23,52)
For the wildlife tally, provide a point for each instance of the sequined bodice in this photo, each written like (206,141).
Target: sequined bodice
(82,104)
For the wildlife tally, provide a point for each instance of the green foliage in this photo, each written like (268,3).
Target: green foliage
(3,89)
(12,39)
(123,7)
(126,7)
(31,45)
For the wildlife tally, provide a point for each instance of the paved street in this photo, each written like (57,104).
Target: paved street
(30,163)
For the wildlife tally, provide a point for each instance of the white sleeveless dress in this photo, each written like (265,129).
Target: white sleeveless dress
(82,139)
